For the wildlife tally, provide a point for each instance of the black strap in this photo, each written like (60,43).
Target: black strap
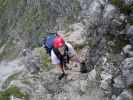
(63,58)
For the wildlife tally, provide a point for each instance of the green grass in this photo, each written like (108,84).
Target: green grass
(13,91)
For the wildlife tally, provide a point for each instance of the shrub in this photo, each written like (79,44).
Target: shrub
(13,91)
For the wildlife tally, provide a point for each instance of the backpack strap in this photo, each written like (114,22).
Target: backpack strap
(66,56)
(63,58)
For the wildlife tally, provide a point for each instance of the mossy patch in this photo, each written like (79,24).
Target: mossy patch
(130,87)
(3,4)
(45,59)
(77,7)
(118,45)
(9,79)
(115,43)
(78,47)
(10,51)
(41,34)
(34,17)
(127,9)
(92,44)
(130,20)
(13,91)
(26,81)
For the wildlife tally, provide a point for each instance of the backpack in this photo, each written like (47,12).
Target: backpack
(48,45)
(48,42)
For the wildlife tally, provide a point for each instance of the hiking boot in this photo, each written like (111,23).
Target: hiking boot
(61,76)
(83,68)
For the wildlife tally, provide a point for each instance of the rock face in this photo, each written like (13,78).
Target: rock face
(109,36)
(8,69)
(126,69)
(100,30)
(75,36)
(47,86)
